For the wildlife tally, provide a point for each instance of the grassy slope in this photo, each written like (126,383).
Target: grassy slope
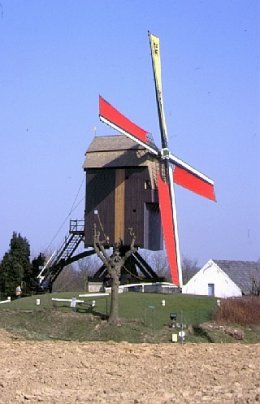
(144,319)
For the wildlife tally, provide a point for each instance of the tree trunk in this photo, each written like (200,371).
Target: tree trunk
(86,283)
(114,265)
(114,312)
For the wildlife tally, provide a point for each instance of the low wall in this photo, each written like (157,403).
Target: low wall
(95,287)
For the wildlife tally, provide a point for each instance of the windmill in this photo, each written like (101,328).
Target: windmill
(172,169)
(130,183)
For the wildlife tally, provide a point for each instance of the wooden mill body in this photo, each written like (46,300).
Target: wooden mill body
(121,192)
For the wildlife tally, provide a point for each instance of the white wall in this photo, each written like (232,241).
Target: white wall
(211,273)
(95,287)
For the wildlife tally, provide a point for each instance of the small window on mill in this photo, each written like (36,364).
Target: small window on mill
(147,184)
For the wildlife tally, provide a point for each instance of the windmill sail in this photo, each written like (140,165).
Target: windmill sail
(156,61)
(112,117)
(192,179)
(165,188)
(194,183)
(169,231)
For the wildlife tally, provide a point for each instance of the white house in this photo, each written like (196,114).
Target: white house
(222,278)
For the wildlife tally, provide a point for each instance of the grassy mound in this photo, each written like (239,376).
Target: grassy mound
(143,319)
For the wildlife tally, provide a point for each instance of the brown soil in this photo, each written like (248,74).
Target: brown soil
(70,372)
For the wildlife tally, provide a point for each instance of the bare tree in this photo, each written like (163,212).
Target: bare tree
(159,262)
(68,280)
(189,269)
(84,272)
(114,264)
(87,268)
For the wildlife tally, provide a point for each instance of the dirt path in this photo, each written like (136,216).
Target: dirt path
(69,372)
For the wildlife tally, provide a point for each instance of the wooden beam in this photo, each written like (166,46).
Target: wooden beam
(120,205)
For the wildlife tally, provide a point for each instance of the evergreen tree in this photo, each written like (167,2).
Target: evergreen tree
(15,269)
(11,275)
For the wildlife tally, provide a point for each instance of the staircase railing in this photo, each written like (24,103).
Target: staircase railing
(58,259)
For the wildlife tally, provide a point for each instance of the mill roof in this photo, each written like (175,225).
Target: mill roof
(112,143)
(242,273)
(116,151)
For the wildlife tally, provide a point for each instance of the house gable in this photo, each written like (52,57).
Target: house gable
(211,274)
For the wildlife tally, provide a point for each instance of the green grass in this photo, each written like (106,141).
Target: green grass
(193,309)
(143,318)
(148,307)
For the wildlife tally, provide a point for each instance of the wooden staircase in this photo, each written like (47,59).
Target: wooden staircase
(63,256)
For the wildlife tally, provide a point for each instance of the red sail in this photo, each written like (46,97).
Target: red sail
(168,228)
(194,183)
(112,116)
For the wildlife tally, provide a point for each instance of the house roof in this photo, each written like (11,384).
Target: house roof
(242,273)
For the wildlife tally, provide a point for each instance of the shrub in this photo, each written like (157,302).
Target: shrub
(244,311)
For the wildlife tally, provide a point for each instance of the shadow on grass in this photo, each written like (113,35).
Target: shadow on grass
(89,310)
(200,332)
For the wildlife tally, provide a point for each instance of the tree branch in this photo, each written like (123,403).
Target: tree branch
(132,245)
(99,248)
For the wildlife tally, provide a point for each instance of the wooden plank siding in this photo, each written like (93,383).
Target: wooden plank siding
(100,196)
(123,199)
(119,205)
(135,195)
(121,185)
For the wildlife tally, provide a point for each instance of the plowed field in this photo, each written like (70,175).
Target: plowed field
(70,372)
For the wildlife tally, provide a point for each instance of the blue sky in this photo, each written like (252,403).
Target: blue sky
(58,56)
